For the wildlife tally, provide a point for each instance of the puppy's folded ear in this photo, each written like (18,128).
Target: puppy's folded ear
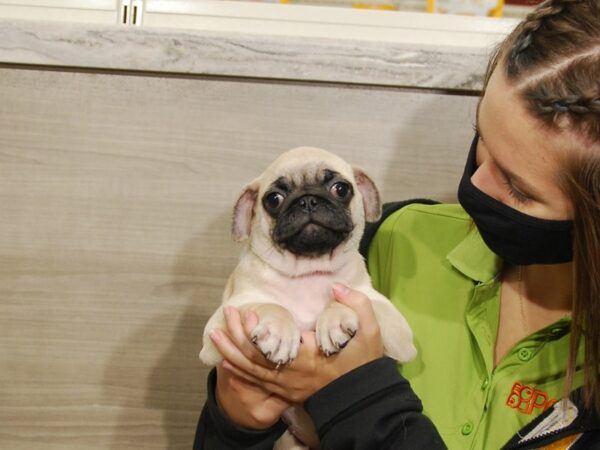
(370,195)
(244,212)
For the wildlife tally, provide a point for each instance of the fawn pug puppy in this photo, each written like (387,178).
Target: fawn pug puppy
(302,221)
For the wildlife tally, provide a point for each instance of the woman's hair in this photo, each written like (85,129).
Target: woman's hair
(552,59)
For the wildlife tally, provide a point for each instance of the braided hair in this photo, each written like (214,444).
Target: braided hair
(553,57)
(553,60)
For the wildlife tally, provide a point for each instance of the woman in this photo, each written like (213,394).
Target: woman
(506,313)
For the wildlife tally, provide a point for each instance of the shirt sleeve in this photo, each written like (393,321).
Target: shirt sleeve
(372,407)
(215,431)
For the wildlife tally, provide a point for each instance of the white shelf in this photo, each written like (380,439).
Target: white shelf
(258,40)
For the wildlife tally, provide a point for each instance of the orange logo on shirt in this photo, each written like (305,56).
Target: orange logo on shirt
(526,398)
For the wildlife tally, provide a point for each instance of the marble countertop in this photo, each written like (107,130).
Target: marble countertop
(350,59)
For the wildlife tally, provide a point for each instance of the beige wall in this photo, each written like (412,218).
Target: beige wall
(115,200)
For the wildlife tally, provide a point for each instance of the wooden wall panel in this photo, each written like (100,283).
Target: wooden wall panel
(115,200)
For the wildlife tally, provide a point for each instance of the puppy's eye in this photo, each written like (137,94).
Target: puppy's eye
(273,200)
(341,190)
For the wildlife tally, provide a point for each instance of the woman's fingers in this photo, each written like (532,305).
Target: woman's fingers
(246,403)
(247,377)
(361,304)
(246,362)
(239,333)
(232,353)
(240,373)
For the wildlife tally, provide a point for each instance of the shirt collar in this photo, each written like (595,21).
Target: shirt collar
(474,259)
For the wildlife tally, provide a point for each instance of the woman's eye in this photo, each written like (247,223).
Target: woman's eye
(340,189)
(274,200)
(514,193)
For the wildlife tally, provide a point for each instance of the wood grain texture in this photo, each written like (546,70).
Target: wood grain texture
(115,196)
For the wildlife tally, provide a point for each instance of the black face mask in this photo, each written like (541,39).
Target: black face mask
(515,237)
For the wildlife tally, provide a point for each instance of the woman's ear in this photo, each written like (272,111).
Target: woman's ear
(243,212)
(370,195)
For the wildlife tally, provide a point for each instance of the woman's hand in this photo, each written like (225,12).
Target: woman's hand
(311,370)
(245,403)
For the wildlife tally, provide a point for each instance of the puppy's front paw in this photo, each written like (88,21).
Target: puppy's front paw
(277,336)
(335,327)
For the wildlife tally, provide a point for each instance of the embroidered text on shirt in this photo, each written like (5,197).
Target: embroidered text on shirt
(525,398)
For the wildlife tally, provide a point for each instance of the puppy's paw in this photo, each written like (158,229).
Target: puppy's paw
(336,325)
(277,336)
(209,354)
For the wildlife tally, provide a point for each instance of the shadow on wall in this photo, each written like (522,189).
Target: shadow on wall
(174,385)
(433,153)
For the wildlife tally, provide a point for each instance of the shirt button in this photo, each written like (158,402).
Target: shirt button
(467,428)
(485,384)
(556,331)
(525,354)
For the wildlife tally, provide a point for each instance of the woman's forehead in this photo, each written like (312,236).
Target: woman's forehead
(504,107)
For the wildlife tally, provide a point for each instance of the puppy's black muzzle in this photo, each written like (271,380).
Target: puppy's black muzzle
(312,224)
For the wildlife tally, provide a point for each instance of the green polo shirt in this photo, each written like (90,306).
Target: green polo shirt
(431,262)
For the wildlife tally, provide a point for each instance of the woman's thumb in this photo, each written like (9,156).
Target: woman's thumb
(358,302)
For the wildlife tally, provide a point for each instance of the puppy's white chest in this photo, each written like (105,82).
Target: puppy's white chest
(305,297)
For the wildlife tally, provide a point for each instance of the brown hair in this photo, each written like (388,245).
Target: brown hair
(553,60)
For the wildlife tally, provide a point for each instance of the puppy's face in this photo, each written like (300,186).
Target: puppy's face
(310,211)
(309,203)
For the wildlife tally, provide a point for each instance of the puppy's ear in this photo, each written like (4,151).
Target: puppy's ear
(244,212)
(370,195)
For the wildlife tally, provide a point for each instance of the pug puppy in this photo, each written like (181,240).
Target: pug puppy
(302,221)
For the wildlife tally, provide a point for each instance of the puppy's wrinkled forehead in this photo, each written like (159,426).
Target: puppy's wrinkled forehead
(304,166)
(293,181)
